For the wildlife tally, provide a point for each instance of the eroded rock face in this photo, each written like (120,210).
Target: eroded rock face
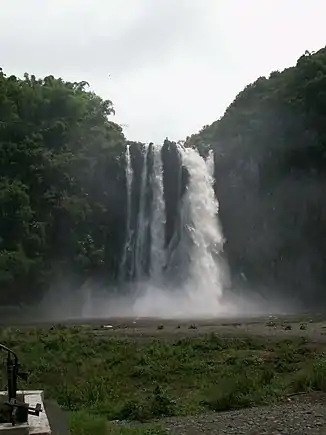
(175,180)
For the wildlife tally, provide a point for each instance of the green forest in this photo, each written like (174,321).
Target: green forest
(63,183)
(60,159)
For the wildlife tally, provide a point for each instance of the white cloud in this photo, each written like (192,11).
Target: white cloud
(175,65)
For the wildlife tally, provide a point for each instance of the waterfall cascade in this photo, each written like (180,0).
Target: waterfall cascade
(189,267)
(143,220)
(172,264)
(128,214)
(206,274)
(158,217)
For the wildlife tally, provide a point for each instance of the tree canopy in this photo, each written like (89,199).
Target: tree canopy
(60,157)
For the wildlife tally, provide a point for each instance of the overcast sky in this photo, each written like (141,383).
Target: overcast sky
(169,66)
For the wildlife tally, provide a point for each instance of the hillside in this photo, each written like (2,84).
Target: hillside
(61,161)
(270,171)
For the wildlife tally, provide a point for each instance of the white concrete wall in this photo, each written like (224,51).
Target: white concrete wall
(36,425)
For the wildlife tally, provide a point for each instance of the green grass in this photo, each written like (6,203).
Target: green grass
(97,378)
(83,423)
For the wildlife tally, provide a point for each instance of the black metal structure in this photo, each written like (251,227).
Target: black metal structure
(12,410)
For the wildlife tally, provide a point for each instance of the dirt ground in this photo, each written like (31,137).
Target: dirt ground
(311,327)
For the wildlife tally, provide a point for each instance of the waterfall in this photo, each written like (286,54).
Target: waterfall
(210,164)
(145,244)
(158,217)
(187,276)
(129,181)
(205,278)
(143,221)
(126,248)
(180,248)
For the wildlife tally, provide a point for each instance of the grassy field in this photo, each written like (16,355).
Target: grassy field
(101,378)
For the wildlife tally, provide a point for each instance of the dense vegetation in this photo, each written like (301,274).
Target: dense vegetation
(61,195)
(63,184)
(270,171)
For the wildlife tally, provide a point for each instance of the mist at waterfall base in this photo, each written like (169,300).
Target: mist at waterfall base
(189,278)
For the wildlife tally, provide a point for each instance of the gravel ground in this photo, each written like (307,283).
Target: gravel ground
(299,415)
(295,418)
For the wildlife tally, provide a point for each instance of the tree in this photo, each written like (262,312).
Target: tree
(60,160)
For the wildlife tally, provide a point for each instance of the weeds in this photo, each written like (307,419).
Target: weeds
(101,378)
(83,423)
(311,377)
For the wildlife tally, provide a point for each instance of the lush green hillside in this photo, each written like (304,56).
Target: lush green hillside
(61,199)
(270,161)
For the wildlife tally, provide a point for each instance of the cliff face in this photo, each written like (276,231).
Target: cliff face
(175,179)
(174,175)
(270,172)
